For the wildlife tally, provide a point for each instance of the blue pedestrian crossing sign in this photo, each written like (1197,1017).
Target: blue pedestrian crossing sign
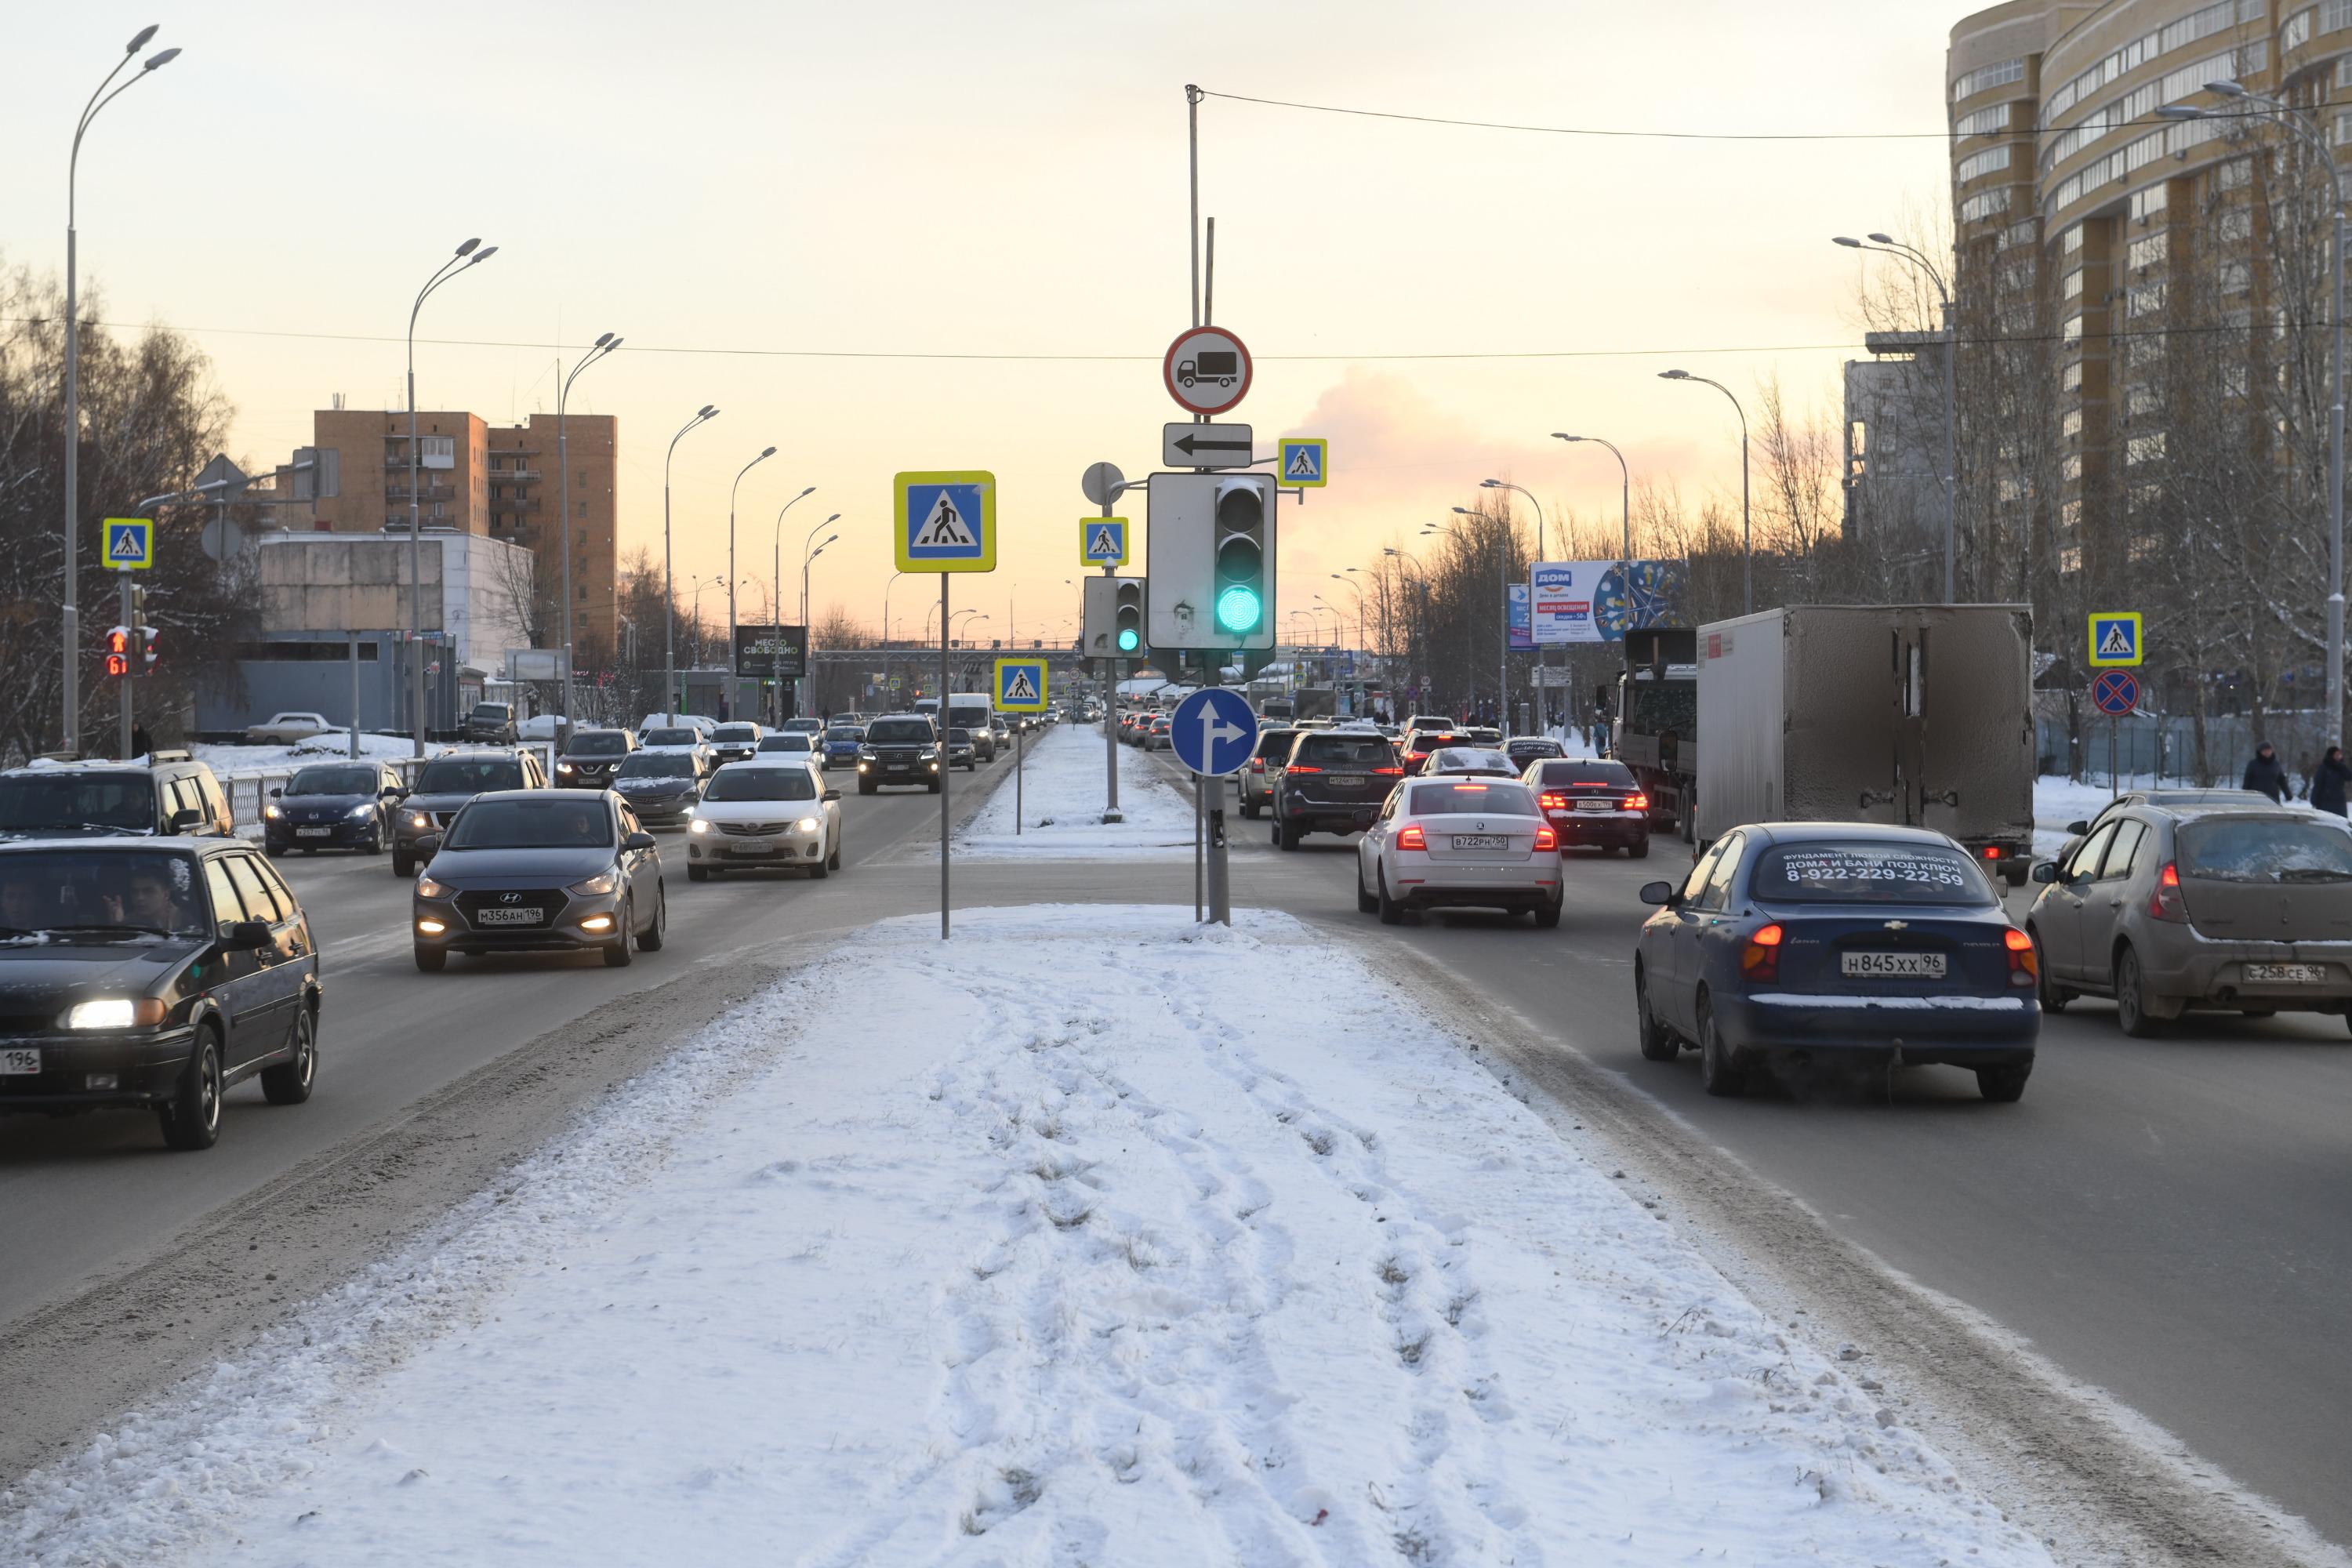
(946,521)
(1214,731)
(1305,461)
(1021,685)
(1102,542)
(2115,638)
(130,544)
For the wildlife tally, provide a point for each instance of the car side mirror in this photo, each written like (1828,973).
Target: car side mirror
(2077,829)
(1660,893)
(277,793)
(247,936)
(640,839)
(188,817)
(833,795)
(428,846)
(2046,872)
(394,792)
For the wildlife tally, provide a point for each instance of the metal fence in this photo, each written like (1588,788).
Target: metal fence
(249,792)
(2148,747)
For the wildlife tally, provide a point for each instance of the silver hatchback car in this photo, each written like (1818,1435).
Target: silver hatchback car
(2168,909)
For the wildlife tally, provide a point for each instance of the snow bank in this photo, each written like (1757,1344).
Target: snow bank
(1062,807)
(1100,1237)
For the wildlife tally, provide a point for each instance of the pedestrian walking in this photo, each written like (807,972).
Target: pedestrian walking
(2266,775)
(2328,780)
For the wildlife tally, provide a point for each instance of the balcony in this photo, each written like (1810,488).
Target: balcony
(525,507)
(399,494)
(514,476)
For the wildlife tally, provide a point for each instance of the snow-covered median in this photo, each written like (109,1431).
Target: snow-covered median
(1093,1236)
(1061,806)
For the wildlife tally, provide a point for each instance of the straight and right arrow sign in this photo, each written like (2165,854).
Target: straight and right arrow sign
(1204,445)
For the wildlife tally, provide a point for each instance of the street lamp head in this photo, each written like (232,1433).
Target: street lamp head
(1881,239)
(1465,511)
(835,518)
(1847,240)
(707,411)
(810,491)
(157,62)
(146,33)
(828,540)
(470,247)
(1673,375)
(763,457)
(603,341)
(2226,90)
(611,346)
(2180,111)
(483,255)
(1564,436)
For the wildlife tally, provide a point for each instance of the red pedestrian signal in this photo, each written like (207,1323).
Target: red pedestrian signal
(118,651)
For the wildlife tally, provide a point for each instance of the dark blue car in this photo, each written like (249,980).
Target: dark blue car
(332,806)
(1829,942)
(840,746)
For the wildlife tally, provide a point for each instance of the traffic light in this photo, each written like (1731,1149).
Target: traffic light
(118,651)
(1114,618)
(1211,558)
(147,648)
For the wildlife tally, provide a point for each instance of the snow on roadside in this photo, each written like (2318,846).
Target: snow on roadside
(1102,1238)
(1062,807)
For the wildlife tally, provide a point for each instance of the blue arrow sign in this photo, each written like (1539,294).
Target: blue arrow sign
(1215,732)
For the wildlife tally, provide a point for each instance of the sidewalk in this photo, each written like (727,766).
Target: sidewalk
(1061,809)
(1092,1236)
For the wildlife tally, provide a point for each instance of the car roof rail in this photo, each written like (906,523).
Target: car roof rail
(161,755)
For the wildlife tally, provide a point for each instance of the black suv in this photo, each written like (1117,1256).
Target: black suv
(591,759)
(491,723)
(172,793)
(448,782)
(903,748)
(153,973)
(1335,781)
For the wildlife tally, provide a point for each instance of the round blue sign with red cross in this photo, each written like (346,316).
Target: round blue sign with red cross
(2116,692)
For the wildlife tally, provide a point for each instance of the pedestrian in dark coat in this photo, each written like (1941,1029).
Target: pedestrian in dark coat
(2266,775)
(2328,780)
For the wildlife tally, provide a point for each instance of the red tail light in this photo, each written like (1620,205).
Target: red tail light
(1552,801)
(1992,851)
(1760,959)
(1300,768)
(1257,764)
(2166,903)
(2025,965)
(1415,756)
(1637,801)
(1546,838)
(1412,837)
(1384,772)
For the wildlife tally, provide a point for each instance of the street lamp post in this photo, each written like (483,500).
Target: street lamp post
(776,571)
(471,254)
(603,347)
(1747,534)
(1540,655)
(808,555)
(669,596)
(1502,617)
(1887,244)
(734,674)
(69,733)
(1625,477)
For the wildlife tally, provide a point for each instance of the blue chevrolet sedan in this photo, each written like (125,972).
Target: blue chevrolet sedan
(1828,942)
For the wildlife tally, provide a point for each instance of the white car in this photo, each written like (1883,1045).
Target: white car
(1459,841)
(1473,761)
(682,738)
(285,728)
(773,811)
(695,721)
(797,744)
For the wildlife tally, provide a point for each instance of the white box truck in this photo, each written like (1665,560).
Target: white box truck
(1916,715)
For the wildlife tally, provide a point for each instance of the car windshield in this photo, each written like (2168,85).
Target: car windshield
(678,737)
(62,799)
(960,737)
(544,822)
(2264,849)
(1495,799)
(736,732)
(656,765)
(600,743)
(761,784)
(899,732)
(1275,742)
(469,776)
(58,889)
(490,710)
(1469,760)
(794,742)
(1862,872)
(804,726)
(845,736)
(334,780)
(1586,773)
(1659,707)
(1333,750)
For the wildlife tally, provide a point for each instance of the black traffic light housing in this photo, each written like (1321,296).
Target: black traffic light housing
(118,651)
(1242,598)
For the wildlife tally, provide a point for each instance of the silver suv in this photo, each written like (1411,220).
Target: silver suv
(2166,908)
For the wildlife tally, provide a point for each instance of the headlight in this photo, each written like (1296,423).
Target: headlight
(362,809)
(426,888)
(116,1013)
(603,882)
(926,753)
(272,813)
(806,825)
(865,755)
(699,824)
(563,768)
(418,819)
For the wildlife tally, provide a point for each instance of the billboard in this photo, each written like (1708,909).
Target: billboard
(779,653)
(1596,601)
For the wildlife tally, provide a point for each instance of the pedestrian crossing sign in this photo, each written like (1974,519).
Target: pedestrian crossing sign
(1305,461)
(2115,638)
(946,521)
(1021,685)
(1102,542)
(130,544)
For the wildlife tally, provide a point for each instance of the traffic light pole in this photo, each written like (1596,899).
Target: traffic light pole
(939,755)
(134,649)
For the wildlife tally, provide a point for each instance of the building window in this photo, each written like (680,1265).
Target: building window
(2147,449)
(2071,286)
(2071,241)
(2335,16)
(2070,423)
(1983,123)
(2233,175)
(2297,31)
(2237,224)
(2236,277)
(2146,299)
(1985,205)
(2070,379)
(2147,203)
(2146,252)
(2070,467)
(1992,159)
(2141,401)
(1985,77)
(2071,331)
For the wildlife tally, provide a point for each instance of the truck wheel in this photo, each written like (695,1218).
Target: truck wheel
(2015,873)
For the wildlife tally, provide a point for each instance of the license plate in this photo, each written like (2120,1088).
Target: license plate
(1481,841)
(509,917)
(20,1059)
(1346,780)
(312,831)
(1892,965)
(2286,973)
(750,847)
(1592,805)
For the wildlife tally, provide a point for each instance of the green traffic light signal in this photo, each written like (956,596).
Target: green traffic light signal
(1241,567)
(1128,641)
(1238,609)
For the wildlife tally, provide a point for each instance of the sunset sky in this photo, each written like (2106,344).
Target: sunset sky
(757,195)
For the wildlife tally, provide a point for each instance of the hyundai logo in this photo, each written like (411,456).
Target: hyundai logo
(509,898)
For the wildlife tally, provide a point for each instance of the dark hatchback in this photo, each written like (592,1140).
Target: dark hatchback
(540,871)
(1836,943)
(841,746)
(589,761)
(661,786)
(961,753)
(332,806)
(443,785)
(153,974)
(902,750)
(1588,800)
(172,794)
(1334,781)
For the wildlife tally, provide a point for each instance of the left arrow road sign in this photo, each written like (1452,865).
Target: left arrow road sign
(1204,445)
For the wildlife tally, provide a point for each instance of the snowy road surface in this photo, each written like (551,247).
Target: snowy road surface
(1098,1238)
(1061,795)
